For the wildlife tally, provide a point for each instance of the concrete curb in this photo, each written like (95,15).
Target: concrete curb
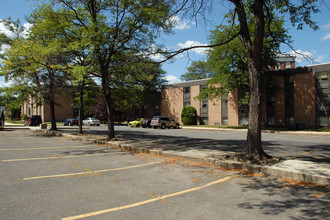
(226,164)
(263,131)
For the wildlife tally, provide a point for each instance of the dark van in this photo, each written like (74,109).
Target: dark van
(33,120)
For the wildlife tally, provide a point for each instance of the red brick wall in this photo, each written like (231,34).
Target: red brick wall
(304,96)
(172,103)
(215,112)
(62,111)
(233,108)
(280,103)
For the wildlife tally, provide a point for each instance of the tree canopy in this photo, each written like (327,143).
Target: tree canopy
(250,23)
(197,70)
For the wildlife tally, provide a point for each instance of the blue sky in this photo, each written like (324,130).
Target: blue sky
(315,44)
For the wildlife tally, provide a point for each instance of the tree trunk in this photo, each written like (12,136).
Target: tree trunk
(111,128)
(52,114)
(81,106)
(109,103)
(253,147)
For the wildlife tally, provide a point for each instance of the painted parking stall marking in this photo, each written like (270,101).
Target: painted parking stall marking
(91,214)
(91,172)
(52,158)
(44,148)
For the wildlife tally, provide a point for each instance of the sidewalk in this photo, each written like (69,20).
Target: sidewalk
(308,171)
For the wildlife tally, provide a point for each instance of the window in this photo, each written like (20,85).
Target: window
(287,64)
(186,96)
(204,108)
(186,90)
(323,98)
(243,106)
(224,110)
(271,110)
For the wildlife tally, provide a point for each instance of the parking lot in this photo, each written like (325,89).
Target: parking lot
(46,177)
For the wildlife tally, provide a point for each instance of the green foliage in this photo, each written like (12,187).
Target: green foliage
(189,115)
(197,70)
(140,85)
(15,113)
(114,37)
(24,117)
(229,62)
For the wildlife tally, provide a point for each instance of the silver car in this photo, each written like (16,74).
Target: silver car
(163,122)
(91,121)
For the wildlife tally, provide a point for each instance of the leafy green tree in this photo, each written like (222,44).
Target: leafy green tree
(12,100)
(141,86)
(229,63)
(197,70)
(261,14)
(38,62)
(80,67)
(115,30)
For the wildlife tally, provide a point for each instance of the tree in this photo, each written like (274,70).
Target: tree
(262,13)
(254,45)
(229,64)
(79,68)
(141,84)
(197,70)
(38,62)
(12,100)
(113,30)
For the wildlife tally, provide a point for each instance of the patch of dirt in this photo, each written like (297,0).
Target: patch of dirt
(295,182)
(240,157)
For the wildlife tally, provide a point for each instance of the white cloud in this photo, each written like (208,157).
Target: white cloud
(326,37)
(4,84)
(27,27)
(4,30)
(172,79)
(3,49)
(180,24)
(306,56)
(155,53)
(8,33)
(327,26)
(190,43)
(157,57)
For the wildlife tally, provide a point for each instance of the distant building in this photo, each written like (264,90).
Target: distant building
(63,110)
(302,103)
(66,108)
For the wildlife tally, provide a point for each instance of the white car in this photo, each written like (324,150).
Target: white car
(91,121)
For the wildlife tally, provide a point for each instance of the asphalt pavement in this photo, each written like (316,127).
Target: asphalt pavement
(313,171)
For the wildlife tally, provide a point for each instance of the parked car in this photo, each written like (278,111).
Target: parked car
(146,123)
(163,122)
(70,122)
(136,123)
(91,121)
(33,120)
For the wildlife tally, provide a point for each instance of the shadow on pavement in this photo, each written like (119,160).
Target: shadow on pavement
(277,197)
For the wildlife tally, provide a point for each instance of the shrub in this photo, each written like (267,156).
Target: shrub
(15,113)
(24,117)
(189,115)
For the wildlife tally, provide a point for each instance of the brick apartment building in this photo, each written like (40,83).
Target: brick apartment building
(62,111)
(67,109)
(303,101)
